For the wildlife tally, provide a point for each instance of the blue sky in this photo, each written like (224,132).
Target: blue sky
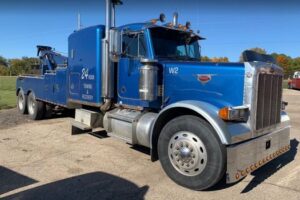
(230,26)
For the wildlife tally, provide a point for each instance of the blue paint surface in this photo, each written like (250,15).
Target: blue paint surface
(80,81)
(85,65)
(224,89)
(50,87)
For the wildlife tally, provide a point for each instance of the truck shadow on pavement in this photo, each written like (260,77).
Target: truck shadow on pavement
(10,180)
(96,185)
(264,172)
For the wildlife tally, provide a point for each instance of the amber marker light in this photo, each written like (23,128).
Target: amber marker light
(248,170)
(243,173)
(224,113)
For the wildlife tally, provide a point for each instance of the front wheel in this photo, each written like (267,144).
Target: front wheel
(191,153)
(36,109)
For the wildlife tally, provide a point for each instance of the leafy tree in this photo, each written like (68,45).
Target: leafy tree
(214,59)
(18,67)
(220,59)
(3,61)
(256,49)
(4,71)
(259,50)
(283,62)
(22,66)
(205,59)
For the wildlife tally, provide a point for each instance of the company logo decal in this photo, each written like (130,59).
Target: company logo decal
(204,78)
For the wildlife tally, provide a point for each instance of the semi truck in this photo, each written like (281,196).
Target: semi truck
(145,84)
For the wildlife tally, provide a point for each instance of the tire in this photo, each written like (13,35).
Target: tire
(36,109)
(191,153)
(22,102)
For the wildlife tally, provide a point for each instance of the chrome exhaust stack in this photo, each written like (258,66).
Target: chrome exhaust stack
(107,72)
(107,66)
(175,19)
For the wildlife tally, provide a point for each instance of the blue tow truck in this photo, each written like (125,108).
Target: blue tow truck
(145,83)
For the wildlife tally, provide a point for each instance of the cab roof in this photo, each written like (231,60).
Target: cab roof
(148,25)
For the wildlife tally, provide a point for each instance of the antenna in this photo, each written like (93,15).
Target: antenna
(78,21)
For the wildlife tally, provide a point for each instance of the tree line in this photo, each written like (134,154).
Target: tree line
(15,67)
(26,65)
(289,64)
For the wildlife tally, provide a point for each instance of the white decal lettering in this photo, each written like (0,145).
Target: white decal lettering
(173,70)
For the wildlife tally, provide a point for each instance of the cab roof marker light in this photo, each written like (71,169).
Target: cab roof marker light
(161,18)
(188,25)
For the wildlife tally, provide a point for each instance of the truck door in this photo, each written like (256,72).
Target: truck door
(133,49)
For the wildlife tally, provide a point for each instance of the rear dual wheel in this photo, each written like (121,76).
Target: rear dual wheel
(191,153)
(36,109)
(22,102)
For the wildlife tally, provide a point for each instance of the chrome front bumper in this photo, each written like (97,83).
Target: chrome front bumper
(248,156)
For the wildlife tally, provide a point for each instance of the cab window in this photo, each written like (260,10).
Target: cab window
(133,45)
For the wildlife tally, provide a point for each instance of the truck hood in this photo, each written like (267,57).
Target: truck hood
(221,84)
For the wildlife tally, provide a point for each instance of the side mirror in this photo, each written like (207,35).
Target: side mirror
(115,45)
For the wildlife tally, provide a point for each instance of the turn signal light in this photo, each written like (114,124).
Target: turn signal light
(224,113)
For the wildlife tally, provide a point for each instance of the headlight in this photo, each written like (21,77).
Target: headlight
(239,113)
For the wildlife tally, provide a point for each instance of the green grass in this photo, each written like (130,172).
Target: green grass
(7,92)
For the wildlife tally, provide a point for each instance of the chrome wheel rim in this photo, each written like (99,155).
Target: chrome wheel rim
(21,102)
(31,105)
(187,153)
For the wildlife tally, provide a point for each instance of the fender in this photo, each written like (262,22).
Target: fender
(206,110)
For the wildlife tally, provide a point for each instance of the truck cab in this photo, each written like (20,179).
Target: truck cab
(145,83)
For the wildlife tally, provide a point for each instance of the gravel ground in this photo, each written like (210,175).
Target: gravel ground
(41,160)
(10,118)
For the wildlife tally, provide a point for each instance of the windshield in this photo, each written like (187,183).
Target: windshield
(173,44)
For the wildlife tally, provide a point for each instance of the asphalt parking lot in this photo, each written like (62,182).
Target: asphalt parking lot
(41,160)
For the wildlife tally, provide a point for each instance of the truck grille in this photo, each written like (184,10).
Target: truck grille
(269,96)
